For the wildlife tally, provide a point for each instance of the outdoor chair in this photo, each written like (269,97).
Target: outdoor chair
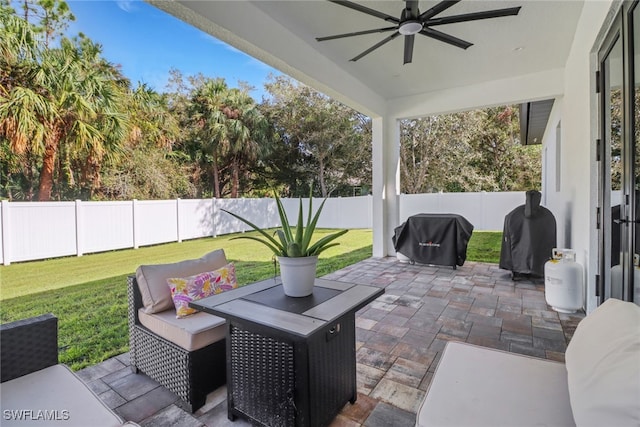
(185,355)
(598,385)
(36,389)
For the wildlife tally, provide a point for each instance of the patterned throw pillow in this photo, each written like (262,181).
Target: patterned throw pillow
(187,289)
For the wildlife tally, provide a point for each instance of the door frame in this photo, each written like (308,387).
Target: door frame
(621,29)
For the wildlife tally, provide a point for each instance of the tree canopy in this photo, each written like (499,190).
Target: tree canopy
(325,142)
(475,150)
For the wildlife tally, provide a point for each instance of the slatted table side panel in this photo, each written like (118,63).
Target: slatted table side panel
(332,364)
(262,378)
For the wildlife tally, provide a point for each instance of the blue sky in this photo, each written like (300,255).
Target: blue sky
(147,42)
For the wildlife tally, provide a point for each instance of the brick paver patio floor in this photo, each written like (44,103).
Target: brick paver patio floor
(399,339)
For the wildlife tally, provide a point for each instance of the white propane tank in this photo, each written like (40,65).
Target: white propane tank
(563,283)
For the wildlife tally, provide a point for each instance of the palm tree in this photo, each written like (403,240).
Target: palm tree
(207,120)
(22,102)
(151,121)
(247,130)
(70,99)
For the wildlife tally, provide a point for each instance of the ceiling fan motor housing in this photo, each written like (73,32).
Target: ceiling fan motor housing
(410,24)
(410,27)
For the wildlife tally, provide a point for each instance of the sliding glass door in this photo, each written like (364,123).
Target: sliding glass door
(632,291)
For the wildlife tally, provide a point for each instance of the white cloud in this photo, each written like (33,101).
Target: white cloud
(126,5)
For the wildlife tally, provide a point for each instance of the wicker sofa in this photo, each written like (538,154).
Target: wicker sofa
(36,389)
(187,356)
(599,385)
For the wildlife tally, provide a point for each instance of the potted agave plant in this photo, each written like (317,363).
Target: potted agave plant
(296,254)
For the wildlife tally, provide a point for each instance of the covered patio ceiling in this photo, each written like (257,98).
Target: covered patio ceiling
(283,34)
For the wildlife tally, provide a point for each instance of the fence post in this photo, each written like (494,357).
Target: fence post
(79,229)
(6,236)
(214,225)
(178,219)
(134,204)
(483,195)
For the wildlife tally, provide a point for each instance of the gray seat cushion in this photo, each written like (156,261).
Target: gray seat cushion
(476,386)
(191,333)
(53,396)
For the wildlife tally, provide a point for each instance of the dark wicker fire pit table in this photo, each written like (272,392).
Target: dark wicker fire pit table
(290,361)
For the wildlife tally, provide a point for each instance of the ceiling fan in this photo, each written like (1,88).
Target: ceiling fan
(412,22)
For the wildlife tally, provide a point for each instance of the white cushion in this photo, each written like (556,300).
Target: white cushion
(477,386)
(191,333)
(603,365)
(53,396)
(152,279)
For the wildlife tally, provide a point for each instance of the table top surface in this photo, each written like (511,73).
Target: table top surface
(266,304)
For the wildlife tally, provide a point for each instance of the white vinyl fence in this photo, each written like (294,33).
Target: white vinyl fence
(40,230)
(486,211)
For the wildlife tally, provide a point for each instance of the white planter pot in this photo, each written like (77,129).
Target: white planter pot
(298,275)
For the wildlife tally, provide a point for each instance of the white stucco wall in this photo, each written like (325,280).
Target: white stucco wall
(553,183)
(574,205)
(530,87)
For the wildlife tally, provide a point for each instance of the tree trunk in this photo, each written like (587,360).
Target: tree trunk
(9,194)
(46,174)
(323,185)
(235,178)
(216,177)
(28,172)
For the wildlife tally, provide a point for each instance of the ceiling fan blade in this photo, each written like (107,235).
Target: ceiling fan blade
(412,7)
(368,11)
(440,7)
(438,35)
(375,46)
(357,33)
(408,48)
(473,16)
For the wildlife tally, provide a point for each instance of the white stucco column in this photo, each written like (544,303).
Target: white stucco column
(386,183)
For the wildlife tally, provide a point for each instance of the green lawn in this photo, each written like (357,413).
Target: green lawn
(88,294)
(484,246)
(33,277)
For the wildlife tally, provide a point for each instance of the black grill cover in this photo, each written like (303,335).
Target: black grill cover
(528,238)
(439,239)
